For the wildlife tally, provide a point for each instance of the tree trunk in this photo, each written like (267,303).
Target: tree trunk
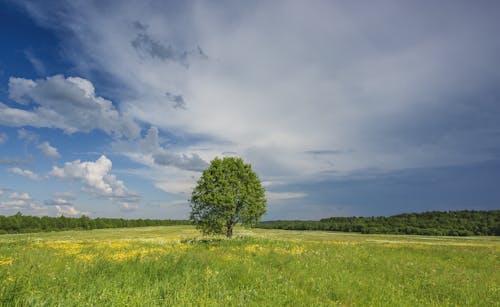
(229,232)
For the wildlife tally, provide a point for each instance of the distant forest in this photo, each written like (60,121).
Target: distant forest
(434,223)
(19,223)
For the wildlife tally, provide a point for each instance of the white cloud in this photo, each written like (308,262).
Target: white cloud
(96,179)
(27,135)
(19,196)
(336,80)
(13,204)
(63,206)
(48,151)
(69,104)
(3,138)
(284,195)
(23,202)
(25,173)
(68,210)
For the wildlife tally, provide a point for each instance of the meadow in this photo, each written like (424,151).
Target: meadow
(175,265)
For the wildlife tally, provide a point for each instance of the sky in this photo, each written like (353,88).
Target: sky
(343,108)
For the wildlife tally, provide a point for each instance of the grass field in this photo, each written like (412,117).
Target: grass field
(176,266)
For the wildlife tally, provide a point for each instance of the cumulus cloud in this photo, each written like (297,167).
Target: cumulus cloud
(63,206)
(24,203)
(67,210)
(13,204)
(48,151)
(96,179)
(19,201)
(68,103)
(25,173)
(23,206)
(19,196)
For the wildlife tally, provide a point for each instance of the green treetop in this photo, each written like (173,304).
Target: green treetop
(228,192)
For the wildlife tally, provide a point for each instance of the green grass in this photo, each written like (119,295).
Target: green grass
(176,266)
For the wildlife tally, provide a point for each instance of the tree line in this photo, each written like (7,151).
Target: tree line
(435,223)
(450,223)
(19,223)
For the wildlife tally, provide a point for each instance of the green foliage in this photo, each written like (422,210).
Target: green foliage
(19,223)
(228,192)
(451,223)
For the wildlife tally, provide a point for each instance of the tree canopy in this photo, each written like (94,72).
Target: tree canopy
(228,192)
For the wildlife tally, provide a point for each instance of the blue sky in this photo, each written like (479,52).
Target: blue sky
(342,108)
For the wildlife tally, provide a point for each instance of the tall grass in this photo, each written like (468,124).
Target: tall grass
(174,266)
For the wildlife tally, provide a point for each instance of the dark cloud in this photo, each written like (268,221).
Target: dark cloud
(178,101)
(191,163)
(376,192)
(150,146)
(140,26)
(201,53)
(146,45)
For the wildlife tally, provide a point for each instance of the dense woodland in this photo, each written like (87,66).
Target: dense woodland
(20,223)
(451,223)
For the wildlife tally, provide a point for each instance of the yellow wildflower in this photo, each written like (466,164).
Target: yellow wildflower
(6,261)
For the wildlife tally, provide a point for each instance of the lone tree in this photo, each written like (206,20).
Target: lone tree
(228,192)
